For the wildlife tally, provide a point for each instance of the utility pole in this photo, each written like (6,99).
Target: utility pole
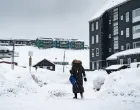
(13,52)
(64,62)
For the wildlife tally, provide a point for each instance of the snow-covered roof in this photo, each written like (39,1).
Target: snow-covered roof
(114,67)
(42,38)
(108,5)
(123,53)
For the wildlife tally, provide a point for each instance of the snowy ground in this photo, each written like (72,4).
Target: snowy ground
(52,90)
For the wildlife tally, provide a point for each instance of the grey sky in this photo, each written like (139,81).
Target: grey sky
(47,18)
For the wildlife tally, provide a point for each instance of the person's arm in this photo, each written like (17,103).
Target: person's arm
(84,74)
(71,71)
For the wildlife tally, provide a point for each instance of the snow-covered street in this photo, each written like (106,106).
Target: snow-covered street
(53,91)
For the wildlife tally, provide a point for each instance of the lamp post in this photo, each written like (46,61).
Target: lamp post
(30,54)
(13,52)
(64,62)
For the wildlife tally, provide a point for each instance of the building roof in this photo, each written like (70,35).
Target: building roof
(42,38)
(124,53)
(44,62)
(110,4)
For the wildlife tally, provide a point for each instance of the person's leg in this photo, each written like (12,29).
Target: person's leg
(75,96)
(81,93)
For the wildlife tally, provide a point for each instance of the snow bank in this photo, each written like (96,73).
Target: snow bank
(16,82)
(122,83)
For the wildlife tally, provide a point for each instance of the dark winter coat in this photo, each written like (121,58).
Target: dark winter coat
(78,72)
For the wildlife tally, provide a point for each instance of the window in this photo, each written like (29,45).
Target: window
(92,39)
(135,60)
(116,9)
(128,60)
(110,21)
(121,32)
(96,25)
(116,43)
(127,32)
(109,35)
(97,64)
(115,17)
(136,15)
(92,27)
(92,65)
(109,49)
(122,17)
(122,47)
(97,51)
(115,23)
(136,44)
(127,46)
(127,17)
(116,30)
(121,61)
(92,52)
(136,31)
(97,38)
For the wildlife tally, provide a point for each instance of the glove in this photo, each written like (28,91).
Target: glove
(85,79)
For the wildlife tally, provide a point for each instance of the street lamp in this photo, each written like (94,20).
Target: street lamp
(13,52)
(64,62)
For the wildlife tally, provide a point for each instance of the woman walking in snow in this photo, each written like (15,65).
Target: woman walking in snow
(78,73)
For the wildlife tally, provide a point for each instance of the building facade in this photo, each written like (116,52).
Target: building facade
(17,42)
(44,42)
(116,29)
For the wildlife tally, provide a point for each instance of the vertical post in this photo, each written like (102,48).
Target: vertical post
(63,62)
(13,55)
(30,54)
(30,63)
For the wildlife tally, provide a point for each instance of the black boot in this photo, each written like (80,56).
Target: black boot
(81,95)
(75,96)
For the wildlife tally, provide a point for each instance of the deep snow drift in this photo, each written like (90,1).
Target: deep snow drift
(52,90)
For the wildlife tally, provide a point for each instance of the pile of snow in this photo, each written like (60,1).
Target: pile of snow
(98,79)
(16,82)
(122,83)
(124,53)
(108,5)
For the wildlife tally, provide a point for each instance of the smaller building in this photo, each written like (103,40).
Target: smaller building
(125,57)
(46,64)
(17,42)
(4,52)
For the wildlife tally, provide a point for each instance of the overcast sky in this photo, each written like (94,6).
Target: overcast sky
(47,18)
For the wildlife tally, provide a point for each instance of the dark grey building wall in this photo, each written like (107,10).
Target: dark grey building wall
(106,28)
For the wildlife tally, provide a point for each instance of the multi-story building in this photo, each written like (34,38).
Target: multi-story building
(44,42)
(115,28)
(61,43)
(76,44)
